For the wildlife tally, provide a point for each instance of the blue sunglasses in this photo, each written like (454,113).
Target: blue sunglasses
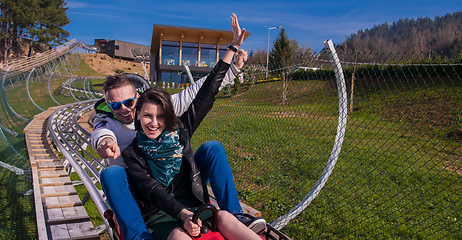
(115,106)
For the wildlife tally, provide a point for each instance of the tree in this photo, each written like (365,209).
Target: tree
(41,20)
(282,52)
(257,57)
(48,29)
(281,59)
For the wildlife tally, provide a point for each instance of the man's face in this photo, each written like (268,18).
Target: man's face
(125,114)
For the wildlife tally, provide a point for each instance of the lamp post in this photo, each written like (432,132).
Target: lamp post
(267,51)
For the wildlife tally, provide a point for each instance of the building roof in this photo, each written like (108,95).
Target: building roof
(189,34)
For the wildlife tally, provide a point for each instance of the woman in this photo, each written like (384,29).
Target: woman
(160,160)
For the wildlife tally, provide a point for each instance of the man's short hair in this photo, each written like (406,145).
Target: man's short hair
(117,81)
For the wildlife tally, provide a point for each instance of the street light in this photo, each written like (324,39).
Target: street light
(267,51)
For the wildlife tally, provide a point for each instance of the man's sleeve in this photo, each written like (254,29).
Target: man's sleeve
(182,100)
(102,129)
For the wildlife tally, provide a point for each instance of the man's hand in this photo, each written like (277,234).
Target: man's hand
(240,57)
(108,148)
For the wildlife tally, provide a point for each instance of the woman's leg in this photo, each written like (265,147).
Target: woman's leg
(178,234)
(116,187)
(213,163)
(231,228)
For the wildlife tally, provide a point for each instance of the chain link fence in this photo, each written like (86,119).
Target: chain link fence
(398,174)
(28,87)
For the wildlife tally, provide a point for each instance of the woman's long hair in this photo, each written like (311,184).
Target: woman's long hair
(161,97)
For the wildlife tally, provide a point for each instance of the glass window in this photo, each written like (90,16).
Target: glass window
(170,43)
(190,53)
(223,50)
(169,76)
(174,77)
(188,44)
(170,53)
(208,55)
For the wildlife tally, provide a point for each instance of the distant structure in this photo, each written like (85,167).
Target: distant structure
(121,49)
(173,47)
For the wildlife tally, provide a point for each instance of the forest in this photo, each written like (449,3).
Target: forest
(31,26)
(441,35)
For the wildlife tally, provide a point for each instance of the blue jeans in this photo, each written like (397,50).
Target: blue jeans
(211,160)
(117,189)
(213,163)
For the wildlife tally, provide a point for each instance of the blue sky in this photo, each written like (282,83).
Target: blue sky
(308,22)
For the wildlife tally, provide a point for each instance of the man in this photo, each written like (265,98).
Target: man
(114,131)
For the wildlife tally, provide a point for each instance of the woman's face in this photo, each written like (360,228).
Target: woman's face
(152,119)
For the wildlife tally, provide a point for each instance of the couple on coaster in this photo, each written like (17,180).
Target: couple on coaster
(141,135)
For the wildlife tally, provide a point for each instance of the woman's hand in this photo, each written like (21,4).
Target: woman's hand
(239,34)
(188,225)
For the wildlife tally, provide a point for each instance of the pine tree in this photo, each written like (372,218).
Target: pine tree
(48,28)
(41,20)
(282,52)
(51,22)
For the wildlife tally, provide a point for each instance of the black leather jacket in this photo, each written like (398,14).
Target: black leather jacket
(155,196)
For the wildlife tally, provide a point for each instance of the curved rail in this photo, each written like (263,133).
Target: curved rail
(342,120)
(28,93)
(5,100)
(70,138)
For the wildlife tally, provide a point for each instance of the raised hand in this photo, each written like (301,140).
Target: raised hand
(239,34)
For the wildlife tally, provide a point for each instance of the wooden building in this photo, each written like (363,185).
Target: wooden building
(172,47)
(121,49)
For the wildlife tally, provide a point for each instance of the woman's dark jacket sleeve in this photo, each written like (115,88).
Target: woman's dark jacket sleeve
(205,98)
(137,167)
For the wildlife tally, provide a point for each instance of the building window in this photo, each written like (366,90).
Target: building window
(116,47)
(190,53)
(208,55)
(222,50)
(170,53)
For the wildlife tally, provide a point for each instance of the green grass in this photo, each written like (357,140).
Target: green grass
(389,181)
(395,177)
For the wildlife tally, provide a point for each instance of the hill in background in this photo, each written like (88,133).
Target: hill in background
(105,65)
(443,34)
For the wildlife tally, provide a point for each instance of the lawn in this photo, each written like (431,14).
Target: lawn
(396,177)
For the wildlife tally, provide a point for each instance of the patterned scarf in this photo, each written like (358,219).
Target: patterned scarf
(164,154)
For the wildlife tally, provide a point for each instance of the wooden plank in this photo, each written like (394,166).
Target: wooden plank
(58,194)
(41,225)
(58,231)
(82,230)
(60,190)
(54,213)
(55,181)
(68,220)
(61,205)
(245,208)
(46,160)
(59,210)
(52,174)
(41,154)
(49,168)
(62,201)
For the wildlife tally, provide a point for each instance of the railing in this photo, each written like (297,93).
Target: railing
(70,139)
